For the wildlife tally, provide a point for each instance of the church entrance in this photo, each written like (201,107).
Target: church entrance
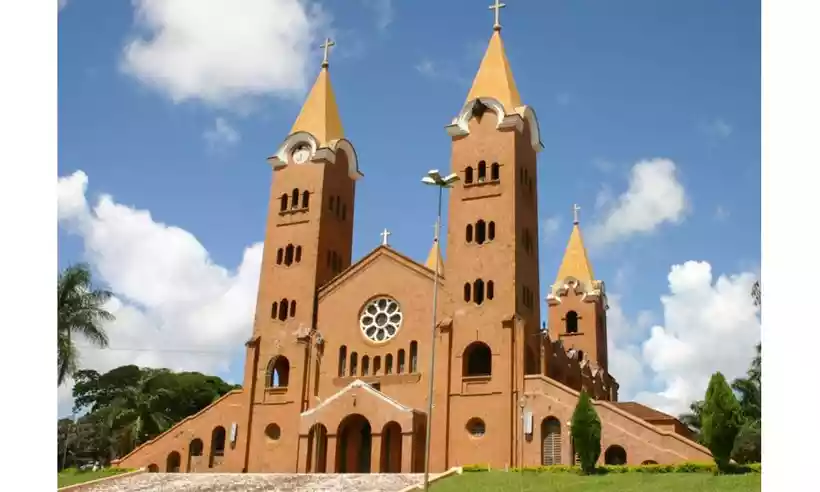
(317,449)
(353,445)
(390,459)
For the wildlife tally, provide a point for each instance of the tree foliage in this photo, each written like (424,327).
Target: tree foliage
(79,312)
(721,420)
(130,405)
(586,433)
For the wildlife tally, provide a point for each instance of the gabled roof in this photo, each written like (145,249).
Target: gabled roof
(369,389)
(381,251)
(643,412)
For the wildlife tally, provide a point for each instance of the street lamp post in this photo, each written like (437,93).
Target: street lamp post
(434,178)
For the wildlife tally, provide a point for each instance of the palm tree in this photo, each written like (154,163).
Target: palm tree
(79,311)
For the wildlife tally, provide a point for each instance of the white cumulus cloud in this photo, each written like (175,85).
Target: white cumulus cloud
(221,51)
(655,197)
(709,324)
(174,307)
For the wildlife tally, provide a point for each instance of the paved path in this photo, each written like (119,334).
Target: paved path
(258,482)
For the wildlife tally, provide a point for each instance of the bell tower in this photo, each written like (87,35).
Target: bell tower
(308,241)
(577,303)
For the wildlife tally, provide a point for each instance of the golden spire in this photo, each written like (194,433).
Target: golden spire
(320,115)
(575,263)
(435,251)
(494,78)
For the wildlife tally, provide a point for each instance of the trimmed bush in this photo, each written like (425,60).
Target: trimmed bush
(721,420)
(586,433)
(686,467)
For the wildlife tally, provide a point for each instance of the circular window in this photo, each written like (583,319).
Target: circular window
(381,319)
(273,432)
(476,427)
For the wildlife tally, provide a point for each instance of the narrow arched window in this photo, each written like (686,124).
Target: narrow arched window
(305,199)
(338,205)
(401,362)
(491,231)
(294,199)
(283,202)
(298,256)
(365,365)
(468,235)
(388,364)
(482,171)
(331,203)
(280,254)
(377,365)
(478,291)
(490,289)
(494,171)
(354,363)
(571,321)
(467,291)
(344,211)
(477,360)
(289,255)
(283,309)
(480,232)
(342,360)
(274,310)
(468,175)
(414,356)
(292,308)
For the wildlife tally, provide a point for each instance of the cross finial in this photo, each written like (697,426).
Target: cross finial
(326,46)
(575,210)
(385,234)
(497,6)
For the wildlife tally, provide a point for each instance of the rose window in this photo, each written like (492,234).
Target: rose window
(381,319)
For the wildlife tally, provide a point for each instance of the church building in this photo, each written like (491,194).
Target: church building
(340,361)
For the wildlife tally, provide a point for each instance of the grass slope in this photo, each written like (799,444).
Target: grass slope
(73,476)
(622,482)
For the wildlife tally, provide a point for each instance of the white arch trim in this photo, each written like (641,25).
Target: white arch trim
(317,153)
(461,123)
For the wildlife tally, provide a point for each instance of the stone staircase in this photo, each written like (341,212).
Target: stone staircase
(258,482)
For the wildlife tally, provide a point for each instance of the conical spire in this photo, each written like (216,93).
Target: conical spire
(320,115)
(494,78)
(435,251)
(575,263)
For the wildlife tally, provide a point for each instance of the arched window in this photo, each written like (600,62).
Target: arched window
(414,356)
(572,322)
(331,203)
(482,171)
(365,365)
(480,232)
(274,310)
(305,199)
(550,441)
(491,231)
(354,363)
(490,289)
(401,362)
(388,364)
(280,254)
(283,309)
(289,255)
(468,236)
(494,171)
(468,175)
(298,257)
(580,355)
(292,308)
(467,290)
(478,291)
(294,199)
(218,442)
(338,205)
(196,448)
(342,360)
(615,455)
(278,373)
(283,202)
(477,360)
(172,462)
(377,365)
(649,462)
(344,211)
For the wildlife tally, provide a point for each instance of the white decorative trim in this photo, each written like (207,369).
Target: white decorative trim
(588,294)
(360,384)
(460,125)
(281,158)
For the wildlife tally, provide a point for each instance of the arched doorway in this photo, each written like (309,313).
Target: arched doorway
(615,455)
(390,459)
(173,462)
(353,443)
(317,449)
(550,441)
(153,468)
(195,449)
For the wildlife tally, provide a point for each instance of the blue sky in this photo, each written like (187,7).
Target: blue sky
(649,114)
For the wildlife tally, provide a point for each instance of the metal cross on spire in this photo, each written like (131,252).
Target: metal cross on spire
(497,6)
(326,46)
(385,234)
(575,210)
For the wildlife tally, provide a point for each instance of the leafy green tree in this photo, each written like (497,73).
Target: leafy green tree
(721,420)
(79,312)
(586,433)
(692,418)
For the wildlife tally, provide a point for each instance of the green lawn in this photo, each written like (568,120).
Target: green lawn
(621,482)
(74,476)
